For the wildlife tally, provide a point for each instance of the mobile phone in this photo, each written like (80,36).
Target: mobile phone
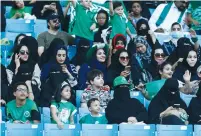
(177,106)
(128,68)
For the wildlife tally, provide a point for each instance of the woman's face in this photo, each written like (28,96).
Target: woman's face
(24,53)
(61,56)
(66,93)
(124,58)
(100,55)
(166,72)
(141,48)
(19,3)
(192,58)
(101,18)
(143,26)
(159,56)
(20,38)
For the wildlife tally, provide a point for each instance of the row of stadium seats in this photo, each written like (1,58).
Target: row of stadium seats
(9,129)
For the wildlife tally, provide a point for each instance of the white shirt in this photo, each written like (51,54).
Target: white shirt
(172,16)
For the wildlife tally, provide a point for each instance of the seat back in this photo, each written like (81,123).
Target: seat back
(78,97)
(99,130)
(24,129)
(3,113)
(174,130)
(186,98)
(197,130)
(46,115)
(136,130)
(137,95)
(3,129)
(40,26)
(68,130)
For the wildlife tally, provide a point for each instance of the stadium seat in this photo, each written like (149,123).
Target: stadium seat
(20,26)
(99,130)
(3,113)
(174,130)
(136,130)
(46,115)
(137,95)
(24,129)
(71,51)
(78,97)
(197,130)
(40,26)
(146,103)
(3,129)
(186,98)
(8,9)
(68,130)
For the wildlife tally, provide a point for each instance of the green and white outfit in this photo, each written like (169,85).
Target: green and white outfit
(65,110)
(119,25)
(22,113)
(89,119)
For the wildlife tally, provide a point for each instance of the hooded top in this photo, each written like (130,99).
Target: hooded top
(118,109)
(116,38)
(183,47)
(194,109)
(116,67)
(182,67)
(165,99)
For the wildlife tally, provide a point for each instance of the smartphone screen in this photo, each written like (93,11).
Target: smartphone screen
(128,68)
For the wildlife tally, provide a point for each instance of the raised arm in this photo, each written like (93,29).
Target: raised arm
(111,8)
(73,3)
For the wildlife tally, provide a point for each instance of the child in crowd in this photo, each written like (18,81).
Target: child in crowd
(118,20)
(62,109)
(94,117)
(96,89)
(85,22)
(135,13)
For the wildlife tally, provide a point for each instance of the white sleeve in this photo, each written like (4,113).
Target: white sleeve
(36,75)
(155,16)
(9,75)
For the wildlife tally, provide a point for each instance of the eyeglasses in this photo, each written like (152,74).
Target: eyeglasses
(124,58)
(22,52)
(159,55)
(22,90)
(101,18)
(55,20)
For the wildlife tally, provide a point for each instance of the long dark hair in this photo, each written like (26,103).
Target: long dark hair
(16,40)
(60,89)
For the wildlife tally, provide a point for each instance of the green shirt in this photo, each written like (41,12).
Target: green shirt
(64,111)
(83,20)
(119,25)
(22,113)
(25,10)
(89,119)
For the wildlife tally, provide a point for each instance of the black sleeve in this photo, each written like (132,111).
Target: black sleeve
(194,111)
(111,75)
(35,115)
(135,71)
(142,113)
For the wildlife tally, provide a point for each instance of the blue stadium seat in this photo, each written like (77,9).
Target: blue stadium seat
(3,113)
(20,26)
(24,129)
(71,51)
(174,130)
(40,26)
(197,130)
(8,9)
(136,130)
(99,130)
(78,97)
(3,129)
(146,103)
(137,95)
(46,115)
(186,98)
(69,130)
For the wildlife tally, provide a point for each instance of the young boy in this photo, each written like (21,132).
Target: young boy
(22,110)
(118,20)
(85,22)
(94,117)
(135,14)
(96,89)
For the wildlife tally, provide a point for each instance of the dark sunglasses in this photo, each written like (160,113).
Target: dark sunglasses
(55,20)
(124,58)
(23,52)
(160,55)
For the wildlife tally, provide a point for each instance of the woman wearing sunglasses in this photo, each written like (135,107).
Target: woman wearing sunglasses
(120,66)
(23,69)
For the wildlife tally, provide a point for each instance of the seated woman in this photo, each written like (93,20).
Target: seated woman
(96,59)
(120,67)
(53,73)
(18,9)
(194,109)
(164,104)
(186,72)
(24,69)
(118,111)
(104,30)
(140,61)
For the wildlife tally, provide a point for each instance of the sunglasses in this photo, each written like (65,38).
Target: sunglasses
(55,20)
(22,52)
(124,58)
(159,55)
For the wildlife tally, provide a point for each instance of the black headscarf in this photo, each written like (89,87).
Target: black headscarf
(16,40)
(106,21)
(164,99)
(118,109)
(194,109)
(183,47)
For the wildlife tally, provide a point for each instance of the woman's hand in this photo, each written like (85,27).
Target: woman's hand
(65,70)
(187,76)
(60,125)
(124,73)
(17,60)
(132,120)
